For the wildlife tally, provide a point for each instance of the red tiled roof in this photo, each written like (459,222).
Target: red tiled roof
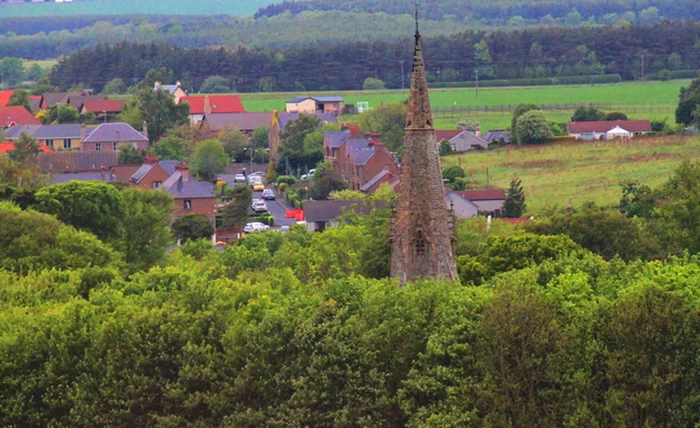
(447,135)
(8,146)
(218,103)
(483,194)
(99,106)
(16,115)
(5,96)
(605,126)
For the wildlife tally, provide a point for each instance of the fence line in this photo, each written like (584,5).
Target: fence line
(509,108)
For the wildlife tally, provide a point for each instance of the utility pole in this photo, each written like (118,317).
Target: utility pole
(402,81)
(476,75)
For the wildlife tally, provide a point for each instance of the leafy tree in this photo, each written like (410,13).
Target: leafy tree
(389,120)
(115,86)
(472,126)
(452,173)
(171,147)
(482,59)
(89,205)
(35,72)
(87,118)
(614,115)
(192,227)
(162,75)
(664,75)
(26,149)
(372,84)
(147,218)
(209,159)
(445,148)
(674,61)
(325,181)
(638,200)
(20,97)
(532,128)
(301,143)
(235,212)
(514,205)
(261,137)
(215,85)
(11,71)
(587,114)
(42,86)
(236,144)
(61,113)
(689,99)
(520,109)
(129,155)
(271,176)
(159,111)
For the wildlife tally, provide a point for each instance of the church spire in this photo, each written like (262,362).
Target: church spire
(419,113)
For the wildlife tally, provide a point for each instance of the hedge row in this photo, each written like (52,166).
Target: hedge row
(540,81)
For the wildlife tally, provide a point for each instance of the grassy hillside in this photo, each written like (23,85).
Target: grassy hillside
(147,7)
(581,171)
(639,100)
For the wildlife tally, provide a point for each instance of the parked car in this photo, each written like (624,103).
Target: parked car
(259,206)
(309,175)
(240,178)
(255,226)
(268,195)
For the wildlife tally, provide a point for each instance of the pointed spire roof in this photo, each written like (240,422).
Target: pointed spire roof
(419,113)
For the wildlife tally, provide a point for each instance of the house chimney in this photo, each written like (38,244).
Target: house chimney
(207,107)
(178,84)
(375,140)
(184,171)
(145,129)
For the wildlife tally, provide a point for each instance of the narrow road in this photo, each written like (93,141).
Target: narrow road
(277,210)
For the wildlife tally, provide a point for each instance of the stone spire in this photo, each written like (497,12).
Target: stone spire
(422,236)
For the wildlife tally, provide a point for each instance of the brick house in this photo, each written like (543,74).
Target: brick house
(364,163)
(103,109)
(152,174)
(67,136)
(202,105)
(608,130)
(191,196)
(108,137)
(488,201)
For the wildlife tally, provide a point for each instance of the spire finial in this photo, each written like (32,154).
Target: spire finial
(417,32)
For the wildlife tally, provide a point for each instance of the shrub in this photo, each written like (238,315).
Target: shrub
(287,179)
(283,187)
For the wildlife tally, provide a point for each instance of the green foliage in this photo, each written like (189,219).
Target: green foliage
(587,114)
(389,121)
(445,148)
(158,109)
(638,200)
(301,143)
(146,222)
(215,85)
(520,109)
(171,147)
(61,113)
(26,149)
(372,84)
(514,205)
(235,212)
(532,128)
(11,71)
(236,145)
(688,102)
(192,227)
(20,97)
(129,154)
(452,173)
(209,159)
(614,115)
(325,181)
(89,205)
(115,86)
(271,175)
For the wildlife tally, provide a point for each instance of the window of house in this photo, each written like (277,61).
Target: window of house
(420,245)
(187,204)
(157,184)
(115,146)
(98,147)
(49,143)
(67,144)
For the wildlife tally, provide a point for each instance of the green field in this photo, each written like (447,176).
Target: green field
(133,7)
(639,100)
(553,174)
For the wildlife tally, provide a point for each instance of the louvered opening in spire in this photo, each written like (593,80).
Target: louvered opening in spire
(419,114)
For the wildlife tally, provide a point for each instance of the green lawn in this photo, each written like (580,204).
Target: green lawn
(553,174)
(648,100)
(147,7)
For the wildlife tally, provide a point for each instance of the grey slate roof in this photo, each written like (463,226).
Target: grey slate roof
(495,135)
(362,156)
(141,172)
(70,130)
(114,133)
(76,161)
(184,189)
(15,132)
(241,121)
(81,176)
(315,211)
(325,118)
(368,185)
(336,139)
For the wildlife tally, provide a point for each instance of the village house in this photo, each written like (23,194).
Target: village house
(328,104)
(364,163)
(462,140)
(279,121)
(608,130)
(57,162)
(103,109)
(67,136)
(497,136)
(16,115)
(245,122)
(108,137)
(176,90)
(488,201)
(201,105)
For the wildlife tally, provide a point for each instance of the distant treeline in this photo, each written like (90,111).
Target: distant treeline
(543,52)
(501,12)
